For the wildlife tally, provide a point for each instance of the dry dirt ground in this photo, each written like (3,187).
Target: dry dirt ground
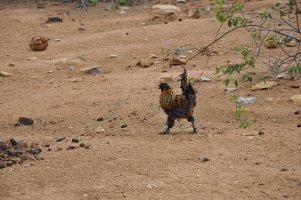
(136,162)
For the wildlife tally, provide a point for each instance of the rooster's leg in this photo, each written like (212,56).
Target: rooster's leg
(191,119)
(170,122)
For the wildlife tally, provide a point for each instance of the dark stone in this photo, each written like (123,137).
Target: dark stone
(13,142)
(25,121)
(60,139)
(87,147)
(71,147)
(260,133)
(284,169)
(124,126)
(299,125)
(82,145)
(99,119)
(46,145)
(54,20)
(74,140)
(297,112)
(205,159)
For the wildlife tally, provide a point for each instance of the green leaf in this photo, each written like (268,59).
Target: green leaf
(236,83)
(227,81)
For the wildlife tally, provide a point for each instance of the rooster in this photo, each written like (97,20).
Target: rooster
(178,106)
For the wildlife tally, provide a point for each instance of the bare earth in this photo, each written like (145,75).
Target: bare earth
(136,162)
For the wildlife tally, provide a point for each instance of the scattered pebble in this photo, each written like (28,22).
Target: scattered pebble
(81,29)
(297,112)
(32,58)
(60,139)
(264,85)
(11,64)
(299,125)
(25,121)
(205,79)
(260,133)
(5,74)
(92,70)
(285,195)
(71,147)
(124,126)
(284,169)
(75,140)
(82,145)
(46,145)
(113,56)
(87,147)
(205,159)
(99,119)
(246,100)
(230,89)
(100,130)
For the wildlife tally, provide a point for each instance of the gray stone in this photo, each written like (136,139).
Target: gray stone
(5,74)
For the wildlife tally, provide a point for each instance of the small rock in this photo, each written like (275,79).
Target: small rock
(91,70)
(194,13)
(11,64)
(165,9)
(264,85)
(152,56)
(57,40)
(71,147)
(205,79)
(296,99)
(46,145)
(260,133)
(177,61)
(32,58)
(180,1)
(113,56)
(82,145)
(281,75)
(144,62)
(5,74)
(25,121)
(39,43)
(284,169)
(299,125)
(87,147)
(124,126)
(13,142)
(49,149)
(60,139)
(75,140)
(285,195)
(59,149)
(100,130)
(81,29)
(297,112)
(291,43)
(54,20)
(246,100)
(230,89)
(295,86)
(99,119)
(205,159)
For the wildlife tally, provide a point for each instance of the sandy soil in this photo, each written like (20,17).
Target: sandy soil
(136,162)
